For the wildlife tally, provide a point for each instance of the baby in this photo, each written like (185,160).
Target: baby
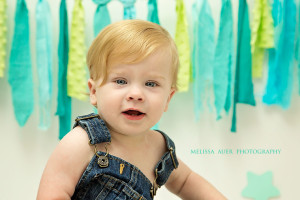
(133,67)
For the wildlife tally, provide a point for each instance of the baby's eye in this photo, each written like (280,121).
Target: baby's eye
(121,82)
(151,84)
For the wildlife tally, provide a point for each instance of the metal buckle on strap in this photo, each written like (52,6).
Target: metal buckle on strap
(88,117)
(154,186)
(173,160)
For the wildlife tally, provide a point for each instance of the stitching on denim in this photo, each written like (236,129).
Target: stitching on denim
(133,178)
(105,184)
(104,128)
(131,167)
(133,191)
(126,186)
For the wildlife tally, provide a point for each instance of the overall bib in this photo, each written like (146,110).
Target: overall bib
(108,177)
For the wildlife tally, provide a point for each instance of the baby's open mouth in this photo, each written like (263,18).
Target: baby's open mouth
(133,112)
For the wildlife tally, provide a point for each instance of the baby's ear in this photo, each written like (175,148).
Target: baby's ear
(172,92)
(92,88)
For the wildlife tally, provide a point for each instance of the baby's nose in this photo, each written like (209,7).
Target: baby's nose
(135,94)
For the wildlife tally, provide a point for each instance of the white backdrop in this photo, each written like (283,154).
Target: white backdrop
(24,151)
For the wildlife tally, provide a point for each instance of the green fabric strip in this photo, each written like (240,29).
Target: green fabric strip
(262,35)
(3,39)
(182,42)
(76,77)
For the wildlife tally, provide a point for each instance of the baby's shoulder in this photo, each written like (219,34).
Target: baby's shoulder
(77,135)
(159,141)
(77,141)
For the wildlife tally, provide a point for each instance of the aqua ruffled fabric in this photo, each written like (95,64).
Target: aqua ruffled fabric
(19,71)
(243,87)
(224,60)
(129,9)
(77,77)
(153,12)
(262,35)
(203,55)
(182,42)
(3,39)
(280,76)
(63,100)
(101,17)
(44,61)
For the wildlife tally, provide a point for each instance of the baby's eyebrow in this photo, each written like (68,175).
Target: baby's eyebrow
(117,73)
(157,76)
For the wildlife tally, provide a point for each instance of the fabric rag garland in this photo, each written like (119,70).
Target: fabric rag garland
(153,12)
(223,63)
(243,87)
(280,76)
(20,72)
(76,67)
(262,36)
(203,55)
(63,100)
(297,53)
(129,9)
(101,17)
(182,42)
(44,61)
(3,40)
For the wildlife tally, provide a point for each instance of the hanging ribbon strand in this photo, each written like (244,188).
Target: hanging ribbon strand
(224,60)
(262,36)
(101,17)
(153,12)
(20,72)
(243,87)
(203,55)
(280,76)
(76,67)
(3,32)
(129,9)
(182,42)
(63,100)
(297,52)
(44,61)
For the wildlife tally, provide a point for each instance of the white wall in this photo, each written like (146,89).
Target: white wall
(24,151)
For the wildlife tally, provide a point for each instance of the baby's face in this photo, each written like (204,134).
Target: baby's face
(134,97)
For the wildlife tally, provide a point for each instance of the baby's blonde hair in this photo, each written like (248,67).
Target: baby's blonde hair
(129,42)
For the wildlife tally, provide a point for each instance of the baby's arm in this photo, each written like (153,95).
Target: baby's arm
(65,166)
(190,186)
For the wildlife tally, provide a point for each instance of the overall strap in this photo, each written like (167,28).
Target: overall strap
(168,162)
(95,128)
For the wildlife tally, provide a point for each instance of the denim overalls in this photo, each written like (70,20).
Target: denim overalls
(109,177)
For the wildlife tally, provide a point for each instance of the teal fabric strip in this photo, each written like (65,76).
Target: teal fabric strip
(280,76)
(243,87)
(129,9)
(20,72)
(203,55)
(101,17)
(153,12)
(224,60)
(297,52)
(44,61)
(63,100)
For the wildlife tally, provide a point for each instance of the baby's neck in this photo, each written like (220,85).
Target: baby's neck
(131,142)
